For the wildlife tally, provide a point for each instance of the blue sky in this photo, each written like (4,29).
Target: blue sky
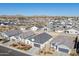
(31,9)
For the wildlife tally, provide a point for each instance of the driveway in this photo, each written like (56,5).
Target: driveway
(33,51)
(60,54)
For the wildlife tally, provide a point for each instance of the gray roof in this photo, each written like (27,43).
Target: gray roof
(27,34)
(12,32)
(41,38)
(65,40)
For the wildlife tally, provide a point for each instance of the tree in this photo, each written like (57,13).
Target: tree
(77,48)
(75,45)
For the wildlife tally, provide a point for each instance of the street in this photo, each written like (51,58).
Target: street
(4,51)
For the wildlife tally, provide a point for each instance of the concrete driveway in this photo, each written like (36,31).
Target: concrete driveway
(33,51)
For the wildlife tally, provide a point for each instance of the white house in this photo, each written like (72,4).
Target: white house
(2,24)
(34,28)
(23,37)
(11,34)
(59,29)
(62,23)
(40,40)
(62,44)
(72,31)
(18,35)
(22,28)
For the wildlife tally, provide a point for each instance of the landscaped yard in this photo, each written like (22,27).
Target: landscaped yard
(21,46)
(47,50)
(73,53)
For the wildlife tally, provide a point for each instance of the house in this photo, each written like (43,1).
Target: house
(23,37)
(34,28)
(63,43)
(72,31)
(45,28)
(68,24)
(18,35)
(10,34)
(63,23)
(40,40)
(7,23)
(56,26)
(22,28)
(59,29)
(50,25)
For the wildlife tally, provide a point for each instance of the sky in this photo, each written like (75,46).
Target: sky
(38,9)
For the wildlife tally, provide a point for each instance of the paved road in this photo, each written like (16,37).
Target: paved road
(4,51)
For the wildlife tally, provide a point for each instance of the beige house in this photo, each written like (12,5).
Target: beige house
(40,40)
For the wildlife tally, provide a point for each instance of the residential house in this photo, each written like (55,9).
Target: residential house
(23,37)
(11,34)
(68,24)
(55,25)
(40,40)
(59,29)
(34,28)
(3,23)
(22,28)
(63,43)
(72,31)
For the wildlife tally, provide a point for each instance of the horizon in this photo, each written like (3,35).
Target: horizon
(40,9)
(39,15)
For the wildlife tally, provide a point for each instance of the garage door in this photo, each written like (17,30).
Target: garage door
(37,45)
(63,50)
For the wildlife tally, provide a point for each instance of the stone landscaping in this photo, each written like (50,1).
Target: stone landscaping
(21,46)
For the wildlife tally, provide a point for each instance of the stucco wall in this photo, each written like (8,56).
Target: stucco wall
(29,42)
(5,36)
(41,45)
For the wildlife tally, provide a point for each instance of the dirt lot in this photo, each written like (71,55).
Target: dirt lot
(6,28)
